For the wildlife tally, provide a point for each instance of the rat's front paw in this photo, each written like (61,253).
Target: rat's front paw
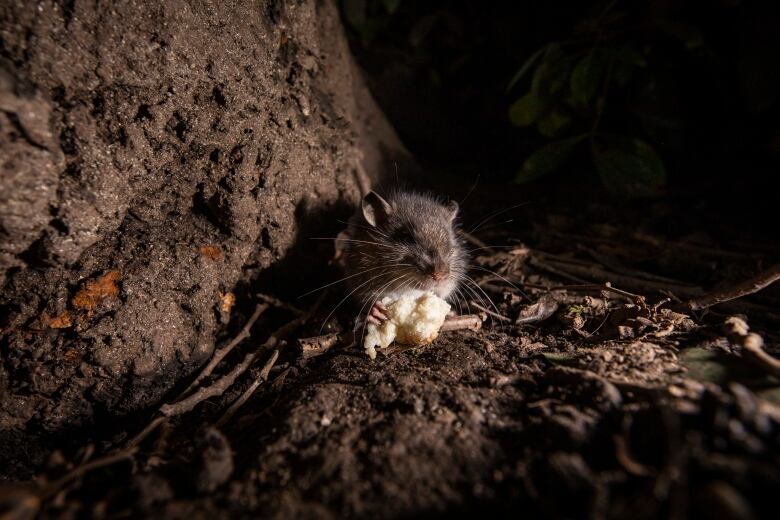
(376,314)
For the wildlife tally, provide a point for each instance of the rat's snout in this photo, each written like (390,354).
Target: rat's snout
(439,270)
(439,275)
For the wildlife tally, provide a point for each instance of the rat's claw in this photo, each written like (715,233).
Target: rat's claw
(373,320)
(377,313)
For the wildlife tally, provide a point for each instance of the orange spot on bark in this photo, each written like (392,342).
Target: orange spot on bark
(95,291)
(227,300)
(62,321)
(211,252)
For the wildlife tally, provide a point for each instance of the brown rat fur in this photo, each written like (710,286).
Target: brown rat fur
(409,241)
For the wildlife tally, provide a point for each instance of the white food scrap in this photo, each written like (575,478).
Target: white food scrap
(414,318)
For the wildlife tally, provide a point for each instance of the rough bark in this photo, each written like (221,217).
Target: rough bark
(153,155)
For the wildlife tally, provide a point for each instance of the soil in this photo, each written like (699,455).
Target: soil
(574,399)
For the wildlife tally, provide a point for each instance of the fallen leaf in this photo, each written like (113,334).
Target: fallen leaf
(95,291)
(539,311)
(211,252)
(61,321)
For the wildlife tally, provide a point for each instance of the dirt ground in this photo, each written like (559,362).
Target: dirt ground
(603,402)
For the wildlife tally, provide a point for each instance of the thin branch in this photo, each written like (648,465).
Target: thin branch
(750,286)
(220,385)
(220,353)
(573,272)
(107,460)
(238,403)
(138,439)
(751,345)
(488,311)
(276,302)
(466,321)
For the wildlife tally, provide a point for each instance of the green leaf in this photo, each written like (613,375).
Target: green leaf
(526,67)
(525,110)
(391,6)
(552,123)
(586,78)
(629,167)
(552,73)
(547,158)
(690,36)
(629,55)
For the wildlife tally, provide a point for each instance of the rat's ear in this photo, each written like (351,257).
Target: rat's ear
(375,209)
(453,208)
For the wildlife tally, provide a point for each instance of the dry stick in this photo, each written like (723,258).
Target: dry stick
(276,302)
(752,350)
(603,287)
(595,272)
(488,311)
(466,321)
(316,346)
(106,460)
(238,403)
(135,441)
(220,385)
(618,267)
(220,353)
(131,446)
(535,262)
(751,345)
(750,286)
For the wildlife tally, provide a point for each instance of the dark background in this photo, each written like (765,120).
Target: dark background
(440,71)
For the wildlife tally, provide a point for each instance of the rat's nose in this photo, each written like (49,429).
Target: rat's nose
(439,275)
(439,271)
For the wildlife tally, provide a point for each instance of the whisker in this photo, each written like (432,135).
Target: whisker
(494,215)
(345,299)
(352,276)
(352,240)
(482,300)
(502,278)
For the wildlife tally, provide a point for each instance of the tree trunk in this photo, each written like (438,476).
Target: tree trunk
(155,155)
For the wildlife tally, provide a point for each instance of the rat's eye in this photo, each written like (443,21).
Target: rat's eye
(403,235)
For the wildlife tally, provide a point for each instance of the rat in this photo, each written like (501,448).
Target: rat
(409,241)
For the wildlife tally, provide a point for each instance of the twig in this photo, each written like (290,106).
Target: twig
(750,286)
(276,302)
(637,298)
(466,321)
(618,267)
(603,287)
(573,271)
(135,441)
(488,311)
(218,387)
(220,353)
(536,262)
(107,460)
(238,403)
(738,333)
(318,345)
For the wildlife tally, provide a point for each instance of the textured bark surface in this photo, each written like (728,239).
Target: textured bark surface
(152,156)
